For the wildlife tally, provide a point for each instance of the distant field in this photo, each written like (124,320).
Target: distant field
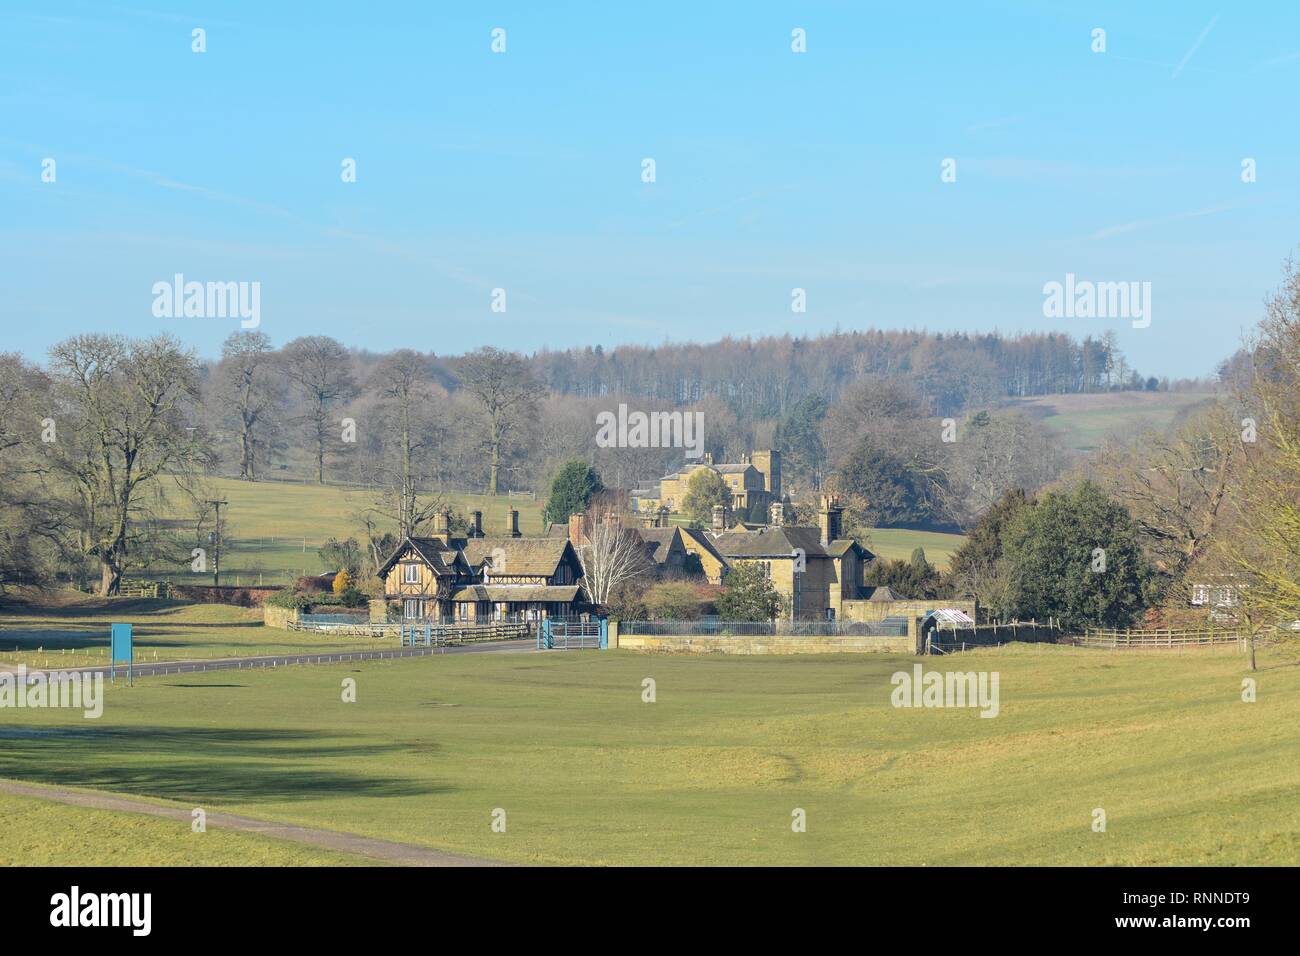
(275,528)
(895,543)
(710,774)
(1084,420)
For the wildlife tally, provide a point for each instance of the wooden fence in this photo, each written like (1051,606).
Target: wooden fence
(145,589)
(1157,637)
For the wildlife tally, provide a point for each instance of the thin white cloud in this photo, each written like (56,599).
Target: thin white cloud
(1195,46)
(1137,224)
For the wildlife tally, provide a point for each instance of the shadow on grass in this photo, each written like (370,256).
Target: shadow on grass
(216,765)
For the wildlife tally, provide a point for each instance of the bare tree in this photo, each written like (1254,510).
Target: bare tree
(319,367)
(1176,485)
(30,518)
(504,387)
(1264,551)
(611,555)
(121,423)
(409,432)
(250,386)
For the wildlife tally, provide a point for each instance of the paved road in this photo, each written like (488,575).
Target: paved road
(404,854)
(285,660)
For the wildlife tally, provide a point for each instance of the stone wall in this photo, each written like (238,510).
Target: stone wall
(279,616)
(769,645)
(894,644)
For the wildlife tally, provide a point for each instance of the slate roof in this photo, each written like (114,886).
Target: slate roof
(770,542)
(703,541)
(515,592)
(524,556)
(440,557)
(659,542)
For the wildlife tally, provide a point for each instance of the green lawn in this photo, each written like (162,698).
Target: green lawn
(1084,421)
(896,543)
(42,833)
(710,774)
(274,529)
(77,633)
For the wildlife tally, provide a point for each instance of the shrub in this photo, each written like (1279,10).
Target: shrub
(352,597)
(343,582)
(288,599)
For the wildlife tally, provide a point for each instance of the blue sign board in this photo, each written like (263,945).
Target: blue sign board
(121,650)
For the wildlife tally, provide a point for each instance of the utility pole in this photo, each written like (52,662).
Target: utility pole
(216,544)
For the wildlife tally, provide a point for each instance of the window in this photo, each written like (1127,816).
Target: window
(413,609)
(410,574)
(1200,593)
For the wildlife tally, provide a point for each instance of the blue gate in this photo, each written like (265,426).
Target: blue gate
(573,635)
(417,635)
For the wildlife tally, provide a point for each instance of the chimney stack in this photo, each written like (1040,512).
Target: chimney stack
(476,525)
(776,512)
(513,526)
(719,519)
(442,526)
(577,532)
(829,519)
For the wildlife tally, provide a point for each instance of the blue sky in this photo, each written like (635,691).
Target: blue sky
(522,170)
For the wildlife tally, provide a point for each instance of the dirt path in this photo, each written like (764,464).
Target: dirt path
(403,854)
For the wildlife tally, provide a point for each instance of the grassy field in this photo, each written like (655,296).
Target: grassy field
(710,774)
(896,543)
(274,529)
(76,634)
(1083,421)
(42,833)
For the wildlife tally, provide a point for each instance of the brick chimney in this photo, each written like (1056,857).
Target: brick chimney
(776,514)
(442,526)
(829,519)
(719,519)
(577,532)
(476,524)
(512,527)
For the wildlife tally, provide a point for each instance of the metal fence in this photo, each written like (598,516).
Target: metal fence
(889,627)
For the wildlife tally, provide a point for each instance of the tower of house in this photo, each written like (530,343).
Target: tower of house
(768,464)
(829,518)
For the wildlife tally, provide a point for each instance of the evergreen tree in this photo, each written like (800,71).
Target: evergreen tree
(571,491)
